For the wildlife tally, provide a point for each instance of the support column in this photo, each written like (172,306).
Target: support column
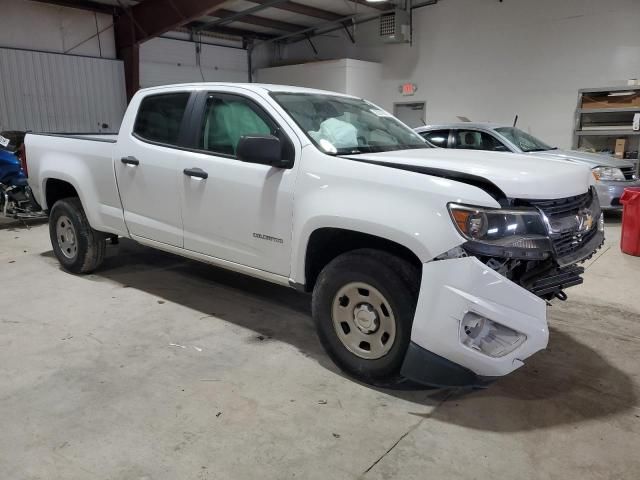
(131,57)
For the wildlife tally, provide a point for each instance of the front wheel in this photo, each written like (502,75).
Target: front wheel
(78,247)
(363,306)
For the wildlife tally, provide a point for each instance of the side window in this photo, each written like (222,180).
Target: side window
(439,138)
(475,140)
(160,116)
(227,118)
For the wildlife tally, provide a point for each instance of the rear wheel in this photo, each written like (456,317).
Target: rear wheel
(363,306)
(78,247)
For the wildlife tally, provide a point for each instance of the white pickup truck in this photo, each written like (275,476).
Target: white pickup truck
(427,264)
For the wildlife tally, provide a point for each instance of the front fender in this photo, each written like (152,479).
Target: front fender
(401,206)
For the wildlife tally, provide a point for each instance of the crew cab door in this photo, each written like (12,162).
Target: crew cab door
(146,166)
(241,212)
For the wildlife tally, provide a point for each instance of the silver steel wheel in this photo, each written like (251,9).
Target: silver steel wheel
(363,320)
(66,235)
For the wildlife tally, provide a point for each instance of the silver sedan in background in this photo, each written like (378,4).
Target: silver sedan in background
(612,175)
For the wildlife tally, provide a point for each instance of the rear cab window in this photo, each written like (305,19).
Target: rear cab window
(160,117)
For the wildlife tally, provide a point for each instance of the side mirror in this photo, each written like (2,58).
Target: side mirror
(261,149)
(500,148)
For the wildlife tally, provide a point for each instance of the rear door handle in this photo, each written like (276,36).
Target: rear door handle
(130,161)
(196,172)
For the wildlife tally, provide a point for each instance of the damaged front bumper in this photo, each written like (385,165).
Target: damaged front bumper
(442,352)
(481,310)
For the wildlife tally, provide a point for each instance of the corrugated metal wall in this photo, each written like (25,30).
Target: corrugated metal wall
(50,92)
(164,61)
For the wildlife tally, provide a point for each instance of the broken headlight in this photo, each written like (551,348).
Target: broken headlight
(500,232)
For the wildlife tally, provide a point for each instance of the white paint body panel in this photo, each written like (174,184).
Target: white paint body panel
(85,164)
(451,288)
(222,213)
(517,175)
(214,220)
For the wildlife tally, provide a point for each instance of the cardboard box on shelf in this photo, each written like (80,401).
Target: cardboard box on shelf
(620,146)
(614,100)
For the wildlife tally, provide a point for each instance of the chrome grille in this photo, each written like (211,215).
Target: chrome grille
(568,240)
(563,206)
(628,172)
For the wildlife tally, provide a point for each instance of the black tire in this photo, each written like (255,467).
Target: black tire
(398,282)
(89,245)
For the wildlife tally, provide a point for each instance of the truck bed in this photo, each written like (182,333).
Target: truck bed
(81,159)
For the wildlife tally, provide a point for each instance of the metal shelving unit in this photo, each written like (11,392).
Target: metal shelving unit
(607,133)
(609,110)
(599,122)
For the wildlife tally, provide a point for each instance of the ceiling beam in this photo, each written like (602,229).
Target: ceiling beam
(375,5)
(340,23)
(236,16)
(151,18)
(260,21)
(223,30)
(300,9)
(83,5)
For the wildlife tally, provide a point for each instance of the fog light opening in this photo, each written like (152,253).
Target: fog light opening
(488,337)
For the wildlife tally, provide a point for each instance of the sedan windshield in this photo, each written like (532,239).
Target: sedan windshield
(343,125)
(522,140)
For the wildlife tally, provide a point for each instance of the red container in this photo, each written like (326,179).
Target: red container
(630,239)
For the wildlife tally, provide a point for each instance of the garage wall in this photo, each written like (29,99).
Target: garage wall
(55,29)
(167,60)
(490,60)
(326,75)
(60,93)
(354,77)
(56,74)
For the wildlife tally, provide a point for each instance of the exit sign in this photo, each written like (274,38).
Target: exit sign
(408,89)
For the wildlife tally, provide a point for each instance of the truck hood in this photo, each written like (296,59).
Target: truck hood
(517,175)
(586,158)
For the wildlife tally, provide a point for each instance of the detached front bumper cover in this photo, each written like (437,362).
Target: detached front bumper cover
(450,290)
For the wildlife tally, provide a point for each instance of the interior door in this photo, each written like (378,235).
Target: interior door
(411,113)
(241,212)
(146,167)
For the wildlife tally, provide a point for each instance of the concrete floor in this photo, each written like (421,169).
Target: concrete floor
(161,368)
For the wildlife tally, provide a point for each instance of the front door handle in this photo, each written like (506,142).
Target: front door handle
(196,172)
(130,161)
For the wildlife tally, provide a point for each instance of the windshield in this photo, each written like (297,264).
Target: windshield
(342,125)
(522,140)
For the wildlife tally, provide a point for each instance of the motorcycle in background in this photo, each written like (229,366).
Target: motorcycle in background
(16,199)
